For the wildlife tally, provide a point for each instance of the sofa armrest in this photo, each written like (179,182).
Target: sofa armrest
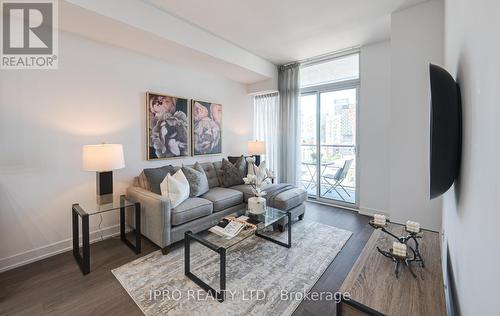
(155,214)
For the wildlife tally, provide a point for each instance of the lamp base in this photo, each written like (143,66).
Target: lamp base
(104,186)
(257,160)
(104,199)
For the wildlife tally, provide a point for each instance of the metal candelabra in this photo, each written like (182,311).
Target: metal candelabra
(406,260)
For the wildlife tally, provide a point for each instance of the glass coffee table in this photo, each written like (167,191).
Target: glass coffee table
(221,244)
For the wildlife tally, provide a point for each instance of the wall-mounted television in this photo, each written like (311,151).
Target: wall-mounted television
(446,131)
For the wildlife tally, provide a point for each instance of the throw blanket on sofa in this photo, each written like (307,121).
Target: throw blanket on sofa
(274,190)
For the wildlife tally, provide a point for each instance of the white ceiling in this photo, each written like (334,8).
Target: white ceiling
(287,30)
(143,28)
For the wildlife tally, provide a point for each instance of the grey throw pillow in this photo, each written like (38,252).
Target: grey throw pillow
(234,159)
(233,174)
(218,171)
(156,175)
(211,173)
(198,182)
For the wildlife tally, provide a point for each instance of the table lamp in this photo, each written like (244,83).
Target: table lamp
(102,159)
(256,148)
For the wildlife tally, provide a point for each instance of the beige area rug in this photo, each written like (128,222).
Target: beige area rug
(262,278)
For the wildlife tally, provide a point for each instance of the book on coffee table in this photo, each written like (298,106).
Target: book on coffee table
(227,228)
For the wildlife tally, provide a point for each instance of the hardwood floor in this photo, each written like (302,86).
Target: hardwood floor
(332,278)
(55,286)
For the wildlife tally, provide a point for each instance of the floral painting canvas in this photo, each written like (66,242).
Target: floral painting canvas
(168,127)
(207,128)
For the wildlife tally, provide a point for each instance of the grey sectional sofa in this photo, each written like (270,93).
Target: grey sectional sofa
(165,225)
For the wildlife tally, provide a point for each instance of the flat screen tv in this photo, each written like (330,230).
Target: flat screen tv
(446,131)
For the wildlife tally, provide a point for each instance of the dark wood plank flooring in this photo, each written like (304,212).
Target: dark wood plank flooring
(55,286)
(332,278)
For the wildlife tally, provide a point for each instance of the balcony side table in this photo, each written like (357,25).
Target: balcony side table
(85,210)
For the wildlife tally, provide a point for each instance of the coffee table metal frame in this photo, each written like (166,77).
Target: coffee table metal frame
(220,295)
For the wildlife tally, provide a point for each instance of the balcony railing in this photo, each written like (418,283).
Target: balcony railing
(332,157)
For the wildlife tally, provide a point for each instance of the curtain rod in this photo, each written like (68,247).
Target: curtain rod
(338,53)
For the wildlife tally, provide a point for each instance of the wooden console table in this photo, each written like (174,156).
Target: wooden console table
(373,286)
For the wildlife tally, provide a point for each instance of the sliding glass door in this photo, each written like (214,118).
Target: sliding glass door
(328,143)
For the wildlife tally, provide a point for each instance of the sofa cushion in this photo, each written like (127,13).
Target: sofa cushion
(246,189)
(223,198)
(175,188)
(191,209)
(283,201)
(233,174)
(155,176)
(234,159)
(211,173)
(198,182)
(290,199)
(218,171)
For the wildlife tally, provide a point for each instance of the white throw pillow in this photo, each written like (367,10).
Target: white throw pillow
(175,187)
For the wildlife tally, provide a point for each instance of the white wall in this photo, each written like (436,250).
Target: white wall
(374,128)
(416,40)
(471,210)
(394,117)
(98,93)
(265,86)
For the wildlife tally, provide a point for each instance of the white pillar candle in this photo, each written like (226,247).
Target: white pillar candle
(413,226)
(399,249)
(379,219)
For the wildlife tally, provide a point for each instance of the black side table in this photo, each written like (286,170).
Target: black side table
(85,210)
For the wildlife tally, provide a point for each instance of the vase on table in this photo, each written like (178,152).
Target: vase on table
(256,205)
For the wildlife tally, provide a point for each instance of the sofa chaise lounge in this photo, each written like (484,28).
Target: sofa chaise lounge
(165,225)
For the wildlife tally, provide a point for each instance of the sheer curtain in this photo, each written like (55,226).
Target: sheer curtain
(288,125)
(266,111)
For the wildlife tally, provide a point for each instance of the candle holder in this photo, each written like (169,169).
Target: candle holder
(409,259)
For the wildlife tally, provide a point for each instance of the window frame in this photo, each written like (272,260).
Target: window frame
(334,86)
(332,57)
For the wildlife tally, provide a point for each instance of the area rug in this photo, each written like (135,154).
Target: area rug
(263,278)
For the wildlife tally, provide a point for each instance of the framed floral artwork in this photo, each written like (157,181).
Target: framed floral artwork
(207,128)
(167,126)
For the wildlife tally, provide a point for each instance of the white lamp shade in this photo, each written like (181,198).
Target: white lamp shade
(256,147)
(103,157)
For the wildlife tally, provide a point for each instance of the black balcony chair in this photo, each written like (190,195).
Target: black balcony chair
(335,181)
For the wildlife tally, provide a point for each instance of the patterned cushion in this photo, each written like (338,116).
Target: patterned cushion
(198,182)
(218,170)
(155,176)
(233,174)
(211,173)
(234,159)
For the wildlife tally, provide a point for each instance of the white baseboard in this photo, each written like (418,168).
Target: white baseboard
(43,252)
(333,205)
(370,212)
